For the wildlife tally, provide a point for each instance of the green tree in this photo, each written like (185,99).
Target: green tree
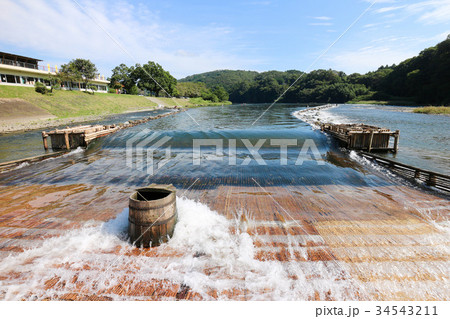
(70,74)
(424,78)
(339,93)
(190,89)
(53,81)
(221,93)
(80,70)
(64,76)
(122,74)
(210,96)
(92,87)
(152,77)
(133,90)
(115,85)
(225,78)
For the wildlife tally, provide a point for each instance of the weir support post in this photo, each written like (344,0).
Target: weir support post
(431,180)
(396,138)
(44,140)
(370,140)
(417,174)
(66,139)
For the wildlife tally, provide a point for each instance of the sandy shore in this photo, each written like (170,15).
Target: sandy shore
(19,115)
(38,122)
(28,124)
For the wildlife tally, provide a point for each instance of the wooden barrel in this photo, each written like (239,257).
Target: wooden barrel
(152,215)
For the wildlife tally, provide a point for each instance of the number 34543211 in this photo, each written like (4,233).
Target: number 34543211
(406,310)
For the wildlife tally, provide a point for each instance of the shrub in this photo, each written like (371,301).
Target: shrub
(210,96)
(134,90)
(93,88)
(40,88)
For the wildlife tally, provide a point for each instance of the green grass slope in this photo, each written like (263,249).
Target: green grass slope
(433,110)
(65,104)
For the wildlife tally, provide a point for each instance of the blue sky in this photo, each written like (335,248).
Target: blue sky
(188,37)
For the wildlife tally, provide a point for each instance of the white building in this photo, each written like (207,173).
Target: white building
(19,70)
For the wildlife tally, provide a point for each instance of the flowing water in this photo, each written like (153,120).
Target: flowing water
(14,146)
(253,224)
(424,138)
(105,160)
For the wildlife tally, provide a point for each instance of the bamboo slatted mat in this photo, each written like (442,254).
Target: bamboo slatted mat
(332,242)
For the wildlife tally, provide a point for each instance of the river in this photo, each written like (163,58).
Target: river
(109,161)
(424,138)
(267,210)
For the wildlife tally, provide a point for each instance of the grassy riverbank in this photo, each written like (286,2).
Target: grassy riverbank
(393,101)
(433,110)
(69,104)
(191,102)
(65,104)
(21,108)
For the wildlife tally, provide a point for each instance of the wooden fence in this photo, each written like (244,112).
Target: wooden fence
(433,179)
(12,164)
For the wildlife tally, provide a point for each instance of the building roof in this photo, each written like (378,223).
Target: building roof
(11,56)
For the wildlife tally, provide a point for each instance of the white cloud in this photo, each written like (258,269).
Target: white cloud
(428,11)
(389,9)
(259,3)
(381,1)
(431,12)
(440,37)
(321,23)
(382,51)
(368,58)
(62,30)
(324,18)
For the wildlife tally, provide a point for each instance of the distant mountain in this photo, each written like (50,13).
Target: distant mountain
(424,79)
(225,78)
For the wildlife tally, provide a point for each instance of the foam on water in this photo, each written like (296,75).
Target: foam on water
(22,165)
(78,150)
(364,161)
(212,253)
(319,114)
(436,216)
(388,173)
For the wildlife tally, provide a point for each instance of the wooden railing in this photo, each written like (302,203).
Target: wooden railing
(12,164)
(433,179)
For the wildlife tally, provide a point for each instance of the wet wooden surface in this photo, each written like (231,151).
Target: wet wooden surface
(383,243)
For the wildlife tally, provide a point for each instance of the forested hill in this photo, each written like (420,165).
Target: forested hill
(225,78)
(424,79)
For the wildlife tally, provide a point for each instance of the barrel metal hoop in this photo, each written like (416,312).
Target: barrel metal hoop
(152,224)
(156,207)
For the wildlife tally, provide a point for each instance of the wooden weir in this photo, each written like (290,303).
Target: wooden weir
(329,242)
(433,179)
(71,138)
(81,136)
(12,164)
(363,137)
(325,242)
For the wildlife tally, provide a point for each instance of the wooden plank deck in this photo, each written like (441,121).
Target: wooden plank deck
(362,136)
(328,242)
(80,136)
